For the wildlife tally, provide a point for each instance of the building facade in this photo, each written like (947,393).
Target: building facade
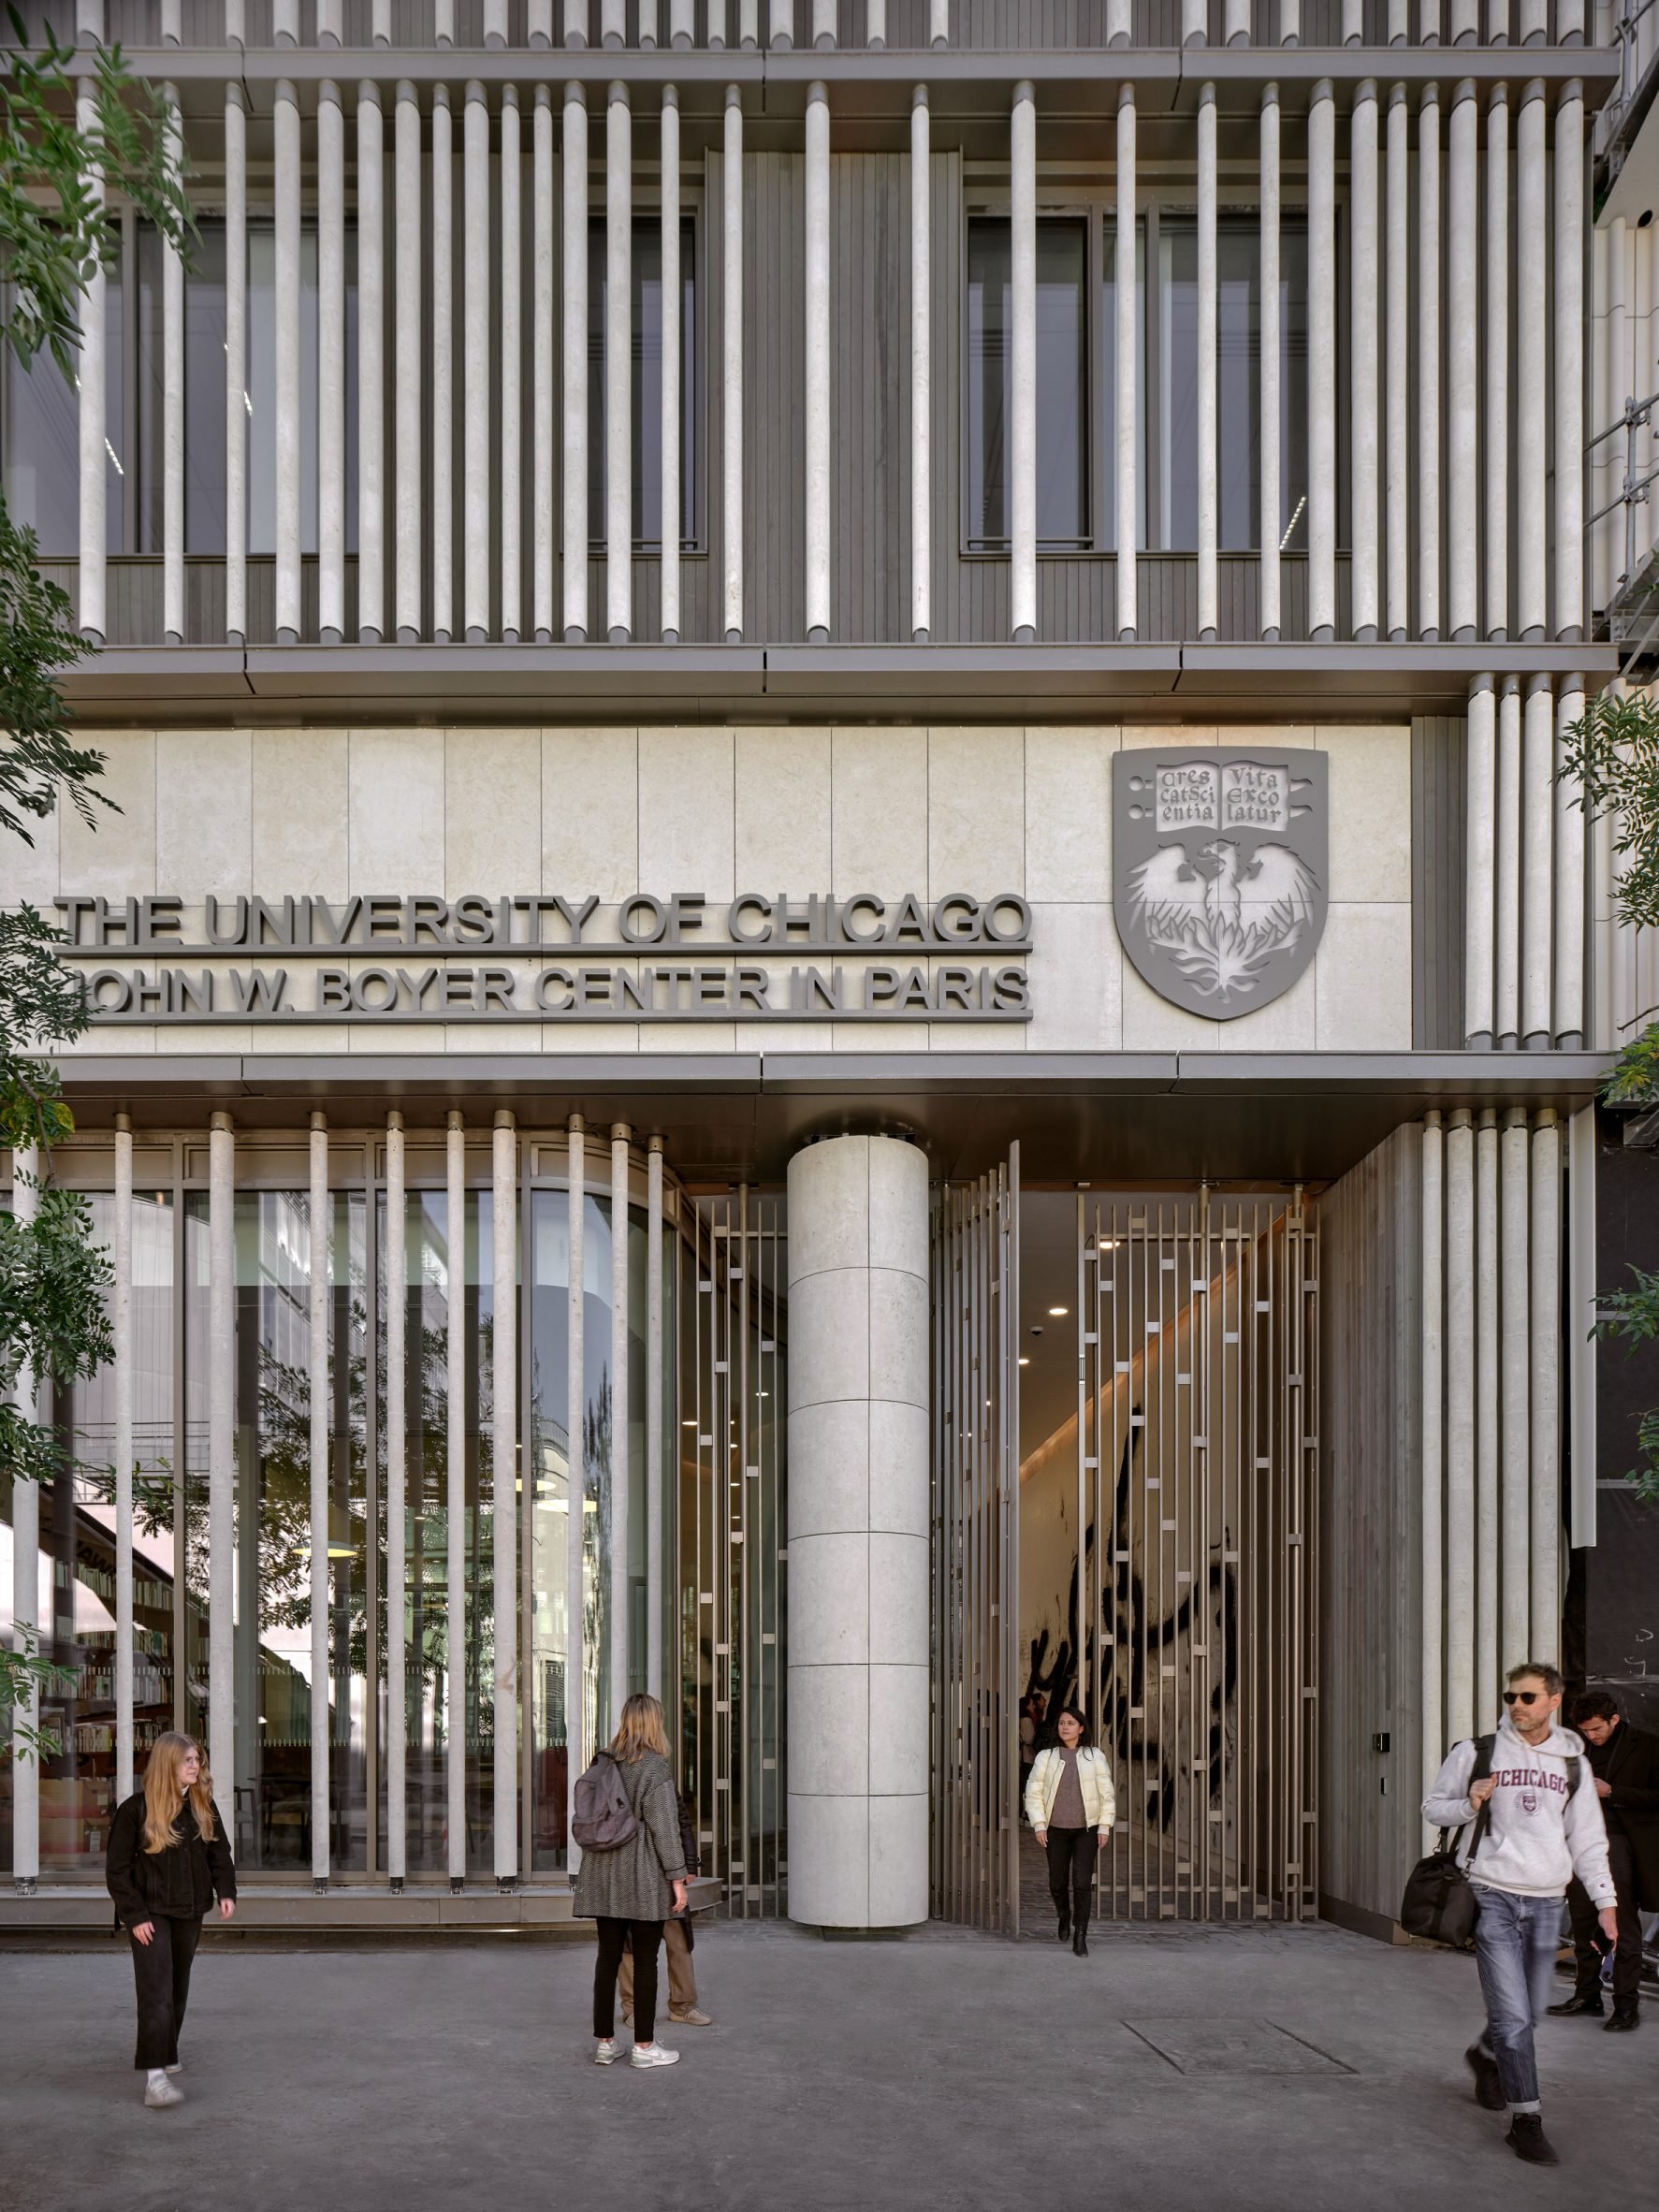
(885,683)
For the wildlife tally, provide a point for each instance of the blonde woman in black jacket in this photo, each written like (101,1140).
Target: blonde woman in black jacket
(167,1862)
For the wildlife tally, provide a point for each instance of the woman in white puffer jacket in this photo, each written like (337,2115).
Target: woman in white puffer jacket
(1068,1801)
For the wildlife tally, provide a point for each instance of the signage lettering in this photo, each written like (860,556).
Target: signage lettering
(421,958)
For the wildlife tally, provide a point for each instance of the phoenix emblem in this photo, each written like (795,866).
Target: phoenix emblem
(1220,864)
(1222,926)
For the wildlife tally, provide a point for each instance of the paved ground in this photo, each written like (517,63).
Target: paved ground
(1289,2069)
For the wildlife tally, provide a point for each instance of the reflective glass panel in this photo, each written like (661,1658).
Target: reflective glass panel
(1062,383)
(1238,354)
(272,1674)
(646,380)
(75,1602)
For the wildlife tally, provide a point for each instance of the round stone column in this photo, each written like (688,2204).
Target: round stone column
(858,1533)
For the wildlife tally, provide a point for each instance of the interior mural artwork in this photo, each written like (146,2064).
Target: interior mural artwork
(1191,1483)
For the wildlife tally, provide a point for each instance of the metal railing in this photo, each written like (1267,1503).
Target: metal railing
(1633,605)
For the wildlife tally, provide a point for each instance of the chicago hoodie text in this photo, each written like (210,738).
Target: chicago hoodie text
(1539,1835)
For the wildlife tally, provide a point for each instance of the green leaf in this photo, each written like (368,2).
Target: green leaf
(38,638)
(52,1280)
(56,231)
(1633,1078)
(1612,754)
(1633,1314)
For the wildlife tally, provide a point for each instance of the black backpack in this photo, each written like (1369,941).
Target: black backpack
(1438,1902)
(602,1818)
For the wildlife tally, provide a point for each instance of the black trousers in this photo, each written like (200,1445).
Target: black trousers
(646,1938)
(1627,1951)
(161,1969)
(1071,1856)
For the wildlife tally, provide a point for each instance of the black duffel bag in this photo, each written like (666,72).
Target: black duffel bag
(1438,1902)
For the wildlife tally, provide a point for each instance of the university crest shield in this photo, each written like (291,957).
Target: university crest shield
(1220,863)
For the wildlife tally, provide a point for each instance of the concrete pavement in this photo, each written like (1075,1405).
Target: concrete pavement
(1266,2070)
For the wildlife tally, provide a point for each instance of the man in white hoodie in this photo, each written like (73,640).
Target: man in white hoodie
(1537,1823)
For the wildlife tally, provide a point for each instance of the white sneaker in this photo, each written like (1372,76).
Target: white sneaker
(158,2095)
(652,2055)
(607,2053)
(177,2068)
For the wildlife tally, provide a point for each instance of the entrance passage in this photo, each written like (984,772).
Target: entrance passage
(732,1547)
(1168,1546)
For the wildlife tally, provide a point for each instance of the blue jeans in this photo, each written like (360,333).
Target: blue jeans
(1516,1940)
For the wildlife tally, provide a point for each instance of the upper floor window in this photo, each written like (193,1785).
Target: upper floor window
(260,396)
(1171,431)
(40,438)
(1062,383)
(1077,395)
(646,433)
(39,410)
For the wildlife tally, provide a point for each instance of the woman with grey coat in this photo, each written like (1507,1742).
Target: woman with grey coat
(631,1890)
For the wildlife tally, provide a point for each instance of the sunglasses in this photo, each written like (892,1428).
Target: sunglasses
(1524,1696)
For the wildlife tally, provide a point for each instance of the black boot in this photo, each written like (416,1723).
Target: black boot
(1488,2094)
(1627,2013)
(1079,1942)
(1581,2000)
(1527,2140)
(1065,1922)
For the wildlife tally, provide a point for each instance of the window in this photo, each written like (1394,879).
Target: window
(1077,398)
(645,320)
(39,428)
(40,440)
(1062,383)
(1171,436)
(204,392)
(260,398)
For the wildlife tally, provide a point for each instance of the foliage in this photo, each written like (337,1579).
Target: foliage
(56,230)
(1613,755)
(37,639)
(23,1673)
(1633,1078)
(53,1278)
(40,1005)
(55,234)
(1632,1315)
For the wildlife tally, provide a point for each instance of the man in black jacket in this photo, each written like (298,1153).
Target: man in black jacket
(1626,1764)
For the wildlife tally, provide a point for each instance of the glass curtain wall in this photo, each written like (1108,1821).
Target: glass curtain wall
(75,1602)
(435,1274)
(270,1787)
(273,1522)
(547,1513)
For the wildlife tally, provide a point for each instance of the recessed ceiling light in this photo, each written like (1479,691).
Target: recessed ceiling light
(1024,1361)
(1057,1311)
